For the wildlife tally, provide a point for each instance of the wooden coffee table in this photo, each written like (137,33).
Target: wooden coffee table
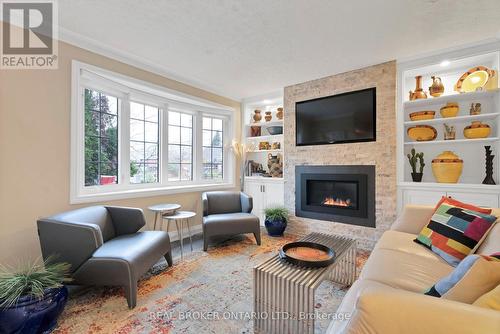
(284,293)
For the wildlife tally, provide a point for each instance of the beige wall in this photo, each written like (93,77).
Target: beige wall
(381,153)
(35,148)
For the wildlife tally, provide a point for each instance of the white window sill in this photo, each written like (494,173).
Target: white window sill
(148,192)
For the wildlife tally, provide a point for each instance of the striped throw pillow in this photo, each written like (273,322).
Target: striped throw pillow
(455,232)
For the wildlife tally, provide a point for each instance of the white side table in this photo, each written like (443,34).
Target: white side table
(160,209)
(181,216)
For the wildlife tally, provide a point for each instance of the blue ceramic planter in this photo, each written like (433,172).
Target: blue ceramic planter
(34,316)
(275,228)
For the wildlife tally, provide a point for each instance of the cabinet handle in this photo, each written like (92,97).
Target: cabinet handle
(264,187)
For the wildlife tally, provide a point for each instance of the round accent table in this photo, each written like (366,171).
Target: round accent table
(161,209)
(181,216)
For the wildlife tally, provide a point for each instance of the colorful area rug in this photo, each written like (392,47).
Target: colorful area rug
(207,292)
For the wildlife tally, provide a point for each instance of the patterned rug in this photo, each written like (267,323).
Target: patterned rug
(207,292)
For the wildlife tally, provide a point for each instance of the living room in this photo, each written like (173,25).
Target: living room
(250,166)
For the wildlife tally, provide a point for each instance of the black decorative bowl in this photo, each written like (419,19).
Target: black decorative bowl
(275,130)
(304,254)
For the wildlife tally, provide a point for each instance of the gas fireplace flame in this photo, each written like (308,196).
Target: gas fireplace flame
(337,202)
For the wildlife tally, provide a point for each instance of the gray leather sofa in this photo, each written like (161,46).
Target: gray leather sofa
(228,213)
(104,246)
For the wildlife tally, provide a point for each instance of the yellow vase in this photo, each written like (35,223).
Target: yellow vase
(447,167)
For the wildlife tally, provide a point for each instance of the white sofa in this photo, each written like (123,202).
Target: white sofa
(388,296)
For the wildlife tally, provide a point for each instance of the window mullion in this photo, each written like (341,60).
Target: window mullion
(164,145)
(124,142)
(198,147)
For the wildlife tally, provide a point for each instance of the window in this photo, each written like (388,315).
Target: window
(101,138)
(180,146)
(213,157)
(144,143)
(131,138)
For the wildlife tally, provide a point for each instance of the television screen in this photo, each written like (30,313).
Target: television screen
(343,118)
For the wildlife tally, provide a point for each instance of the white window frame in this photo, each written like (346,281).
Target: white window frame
(130,89)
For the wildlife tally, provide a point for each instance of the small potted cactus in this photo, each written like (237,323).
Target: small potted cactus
(415,158)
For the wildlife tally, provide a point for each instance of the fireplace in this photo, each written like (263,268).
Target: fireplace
(341,193)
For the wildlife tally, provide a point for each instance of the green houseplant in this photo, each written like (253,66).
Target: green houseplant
(276,220)
(32,297)
(416,158)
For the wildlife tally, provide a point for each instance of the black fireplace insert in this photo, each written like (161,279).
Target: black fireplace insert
(340,193)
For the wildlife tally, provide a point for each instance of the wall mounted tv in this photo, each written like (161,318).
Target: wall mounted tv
(343,118)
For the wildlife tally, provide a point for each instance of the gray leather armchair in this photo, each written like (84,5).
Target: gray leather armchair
(228,213)
(104,246)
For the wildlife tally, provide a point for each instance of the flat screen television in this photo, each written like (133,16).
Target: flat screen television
(343,118)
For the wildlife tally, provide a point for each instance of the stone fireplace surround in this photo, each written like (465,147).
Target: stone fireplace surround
(381,153)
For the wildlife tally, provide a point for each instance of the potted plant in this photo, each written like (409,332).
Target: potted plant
(276,221)
(413,159)
(32,297)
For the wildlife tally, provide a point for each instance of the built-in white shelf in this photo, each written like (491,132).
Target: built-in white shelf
(268,151)
(451,142)
(450,98)
(456,119)
(267,124)
(264,178)
(457,186)
(264,138)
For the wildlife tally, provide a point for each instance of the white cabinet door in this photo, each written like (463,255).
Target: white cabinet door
(478,199)
(275,193)
(255,190)
(422,197)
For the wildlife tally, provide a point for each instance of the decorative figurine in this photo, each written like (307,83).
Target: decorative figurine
(475,109)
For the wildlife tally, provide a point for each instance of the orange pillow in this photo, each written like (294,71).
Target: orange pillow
(454,202)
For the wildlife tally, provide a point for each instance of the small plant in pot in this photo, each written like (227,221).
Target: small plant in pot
(276,221)
(32,297)
(416,158)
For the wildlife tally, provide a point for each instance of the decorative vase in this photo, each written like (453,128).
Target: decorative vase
(489,166)
(279,113)
(274,165)
(275,228)
(257,116)
(475,109)
(437,88)
(268,116)
(447,167)
(418,93)
(417,177)
(449,110)
(255,131)
(477,130)
(34,315)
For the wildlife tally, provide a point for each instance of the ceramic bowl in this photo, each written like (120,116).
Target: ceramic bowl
(449,110)
(275,130)
(477,130)
(422,133)
(422,115)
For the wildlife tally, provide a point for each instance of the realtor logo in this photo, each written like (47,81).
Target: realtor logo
(29,36)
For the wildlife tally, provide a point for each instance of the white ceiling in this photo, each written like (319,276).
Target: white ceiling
(242,48)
